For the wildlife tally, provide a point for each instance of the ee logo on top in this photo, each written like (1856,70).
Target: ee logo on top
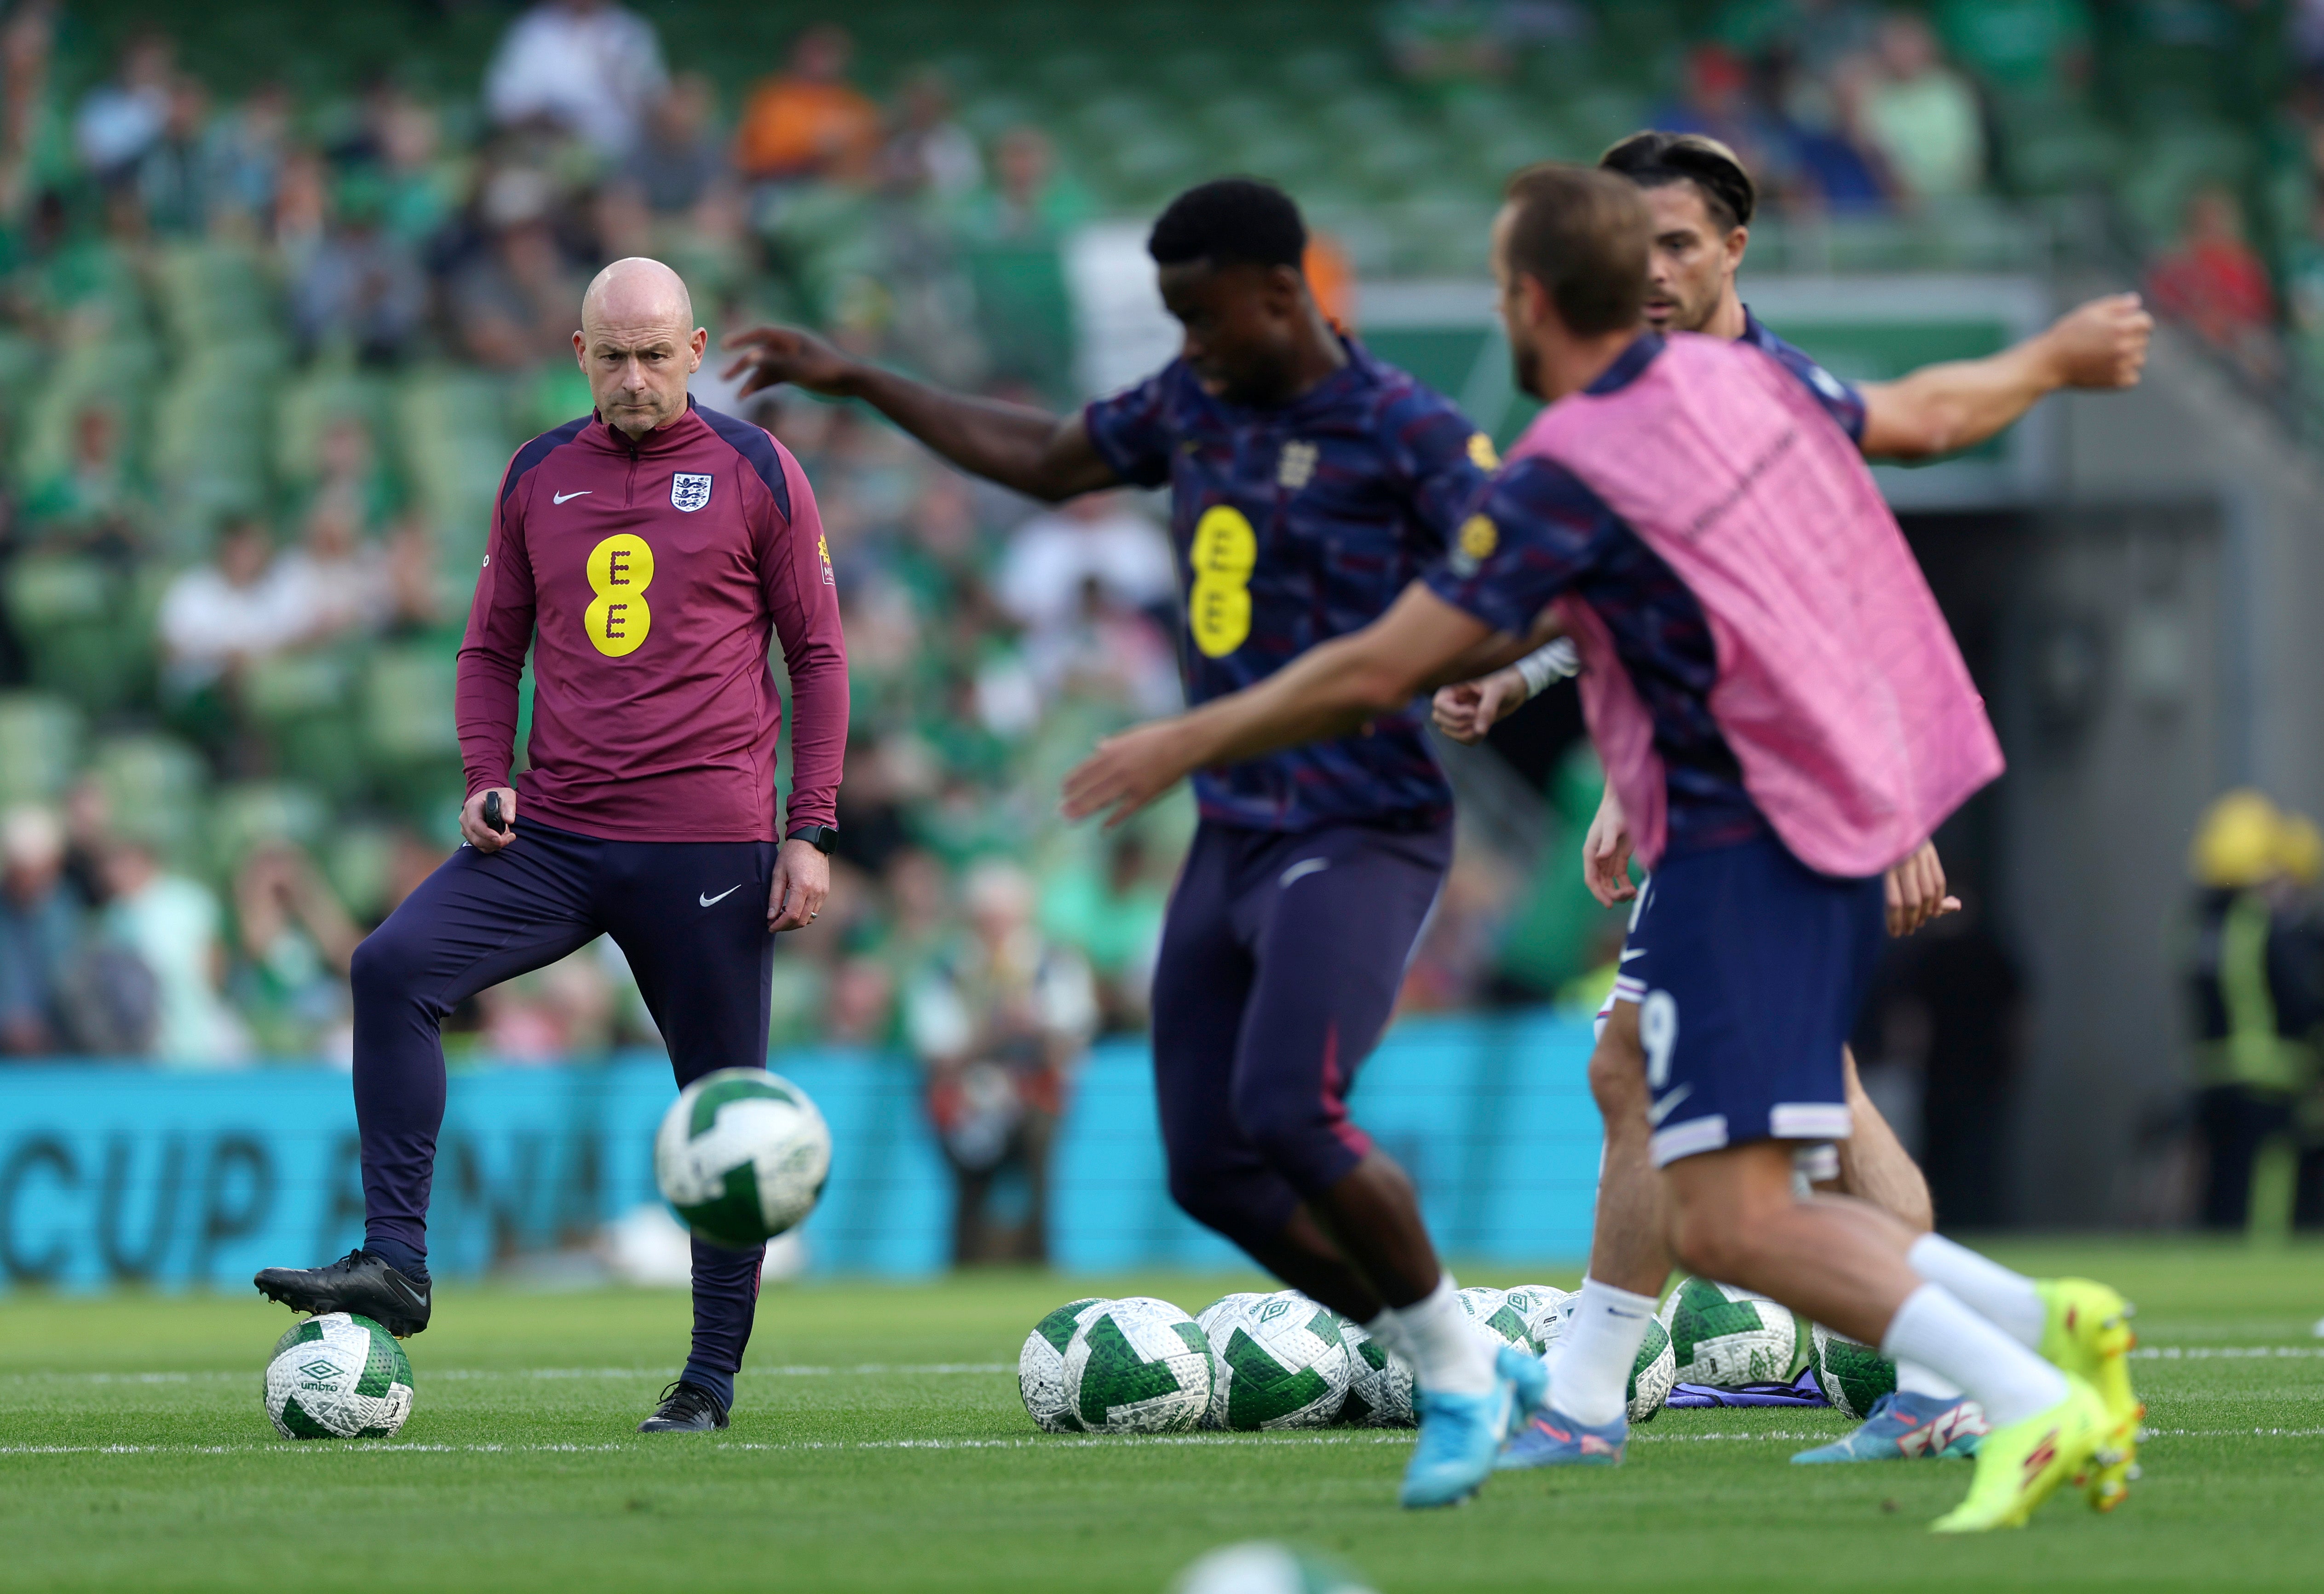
(619,570)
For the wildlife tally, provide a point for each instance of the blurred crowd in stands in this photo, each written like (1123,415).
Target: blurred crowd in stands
(264,352)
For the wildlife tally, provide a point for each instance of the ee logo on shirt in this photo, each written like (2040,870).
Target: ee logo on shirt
(620,568)
(1223,553)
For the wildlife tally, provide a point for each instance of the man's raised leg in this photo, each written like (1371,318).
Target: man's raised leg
(476,921)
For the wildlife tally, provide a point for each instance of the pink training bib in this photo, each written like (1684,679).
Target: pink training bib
(1841,691)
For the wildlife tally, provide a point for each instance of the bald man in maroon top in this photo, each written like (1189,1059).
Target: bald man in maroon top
(647,556)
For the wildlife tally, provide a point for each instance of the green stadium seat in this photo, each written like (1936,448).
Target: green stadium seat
(156,788)
(87,626)
(211,432)
(308,406)
(39,746)
(407,695)
(457,441)
(211,293)
(249,812)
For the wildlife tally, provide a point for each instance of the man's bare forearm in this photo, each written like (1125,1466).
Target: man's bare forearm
(1336,687)
(1944,408)
(1044,455)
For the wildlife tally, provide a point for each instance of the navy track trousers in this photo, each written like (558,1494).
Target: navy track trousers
(691,917)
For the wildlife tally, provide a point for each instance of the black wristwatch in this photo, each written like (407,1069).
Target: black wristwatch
(821,837)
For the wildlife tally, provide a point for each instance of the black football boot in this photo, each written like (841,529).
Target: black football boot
(685,1408)
(360,1282)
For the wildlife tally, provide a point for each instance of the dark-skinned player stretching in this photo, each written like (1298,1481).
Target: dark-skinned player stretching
(1310,483)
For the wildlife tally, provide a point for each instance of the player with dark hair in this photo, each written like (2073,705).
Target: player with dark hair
(1674,491)
(643,557)
(1310,483)
(1703,200)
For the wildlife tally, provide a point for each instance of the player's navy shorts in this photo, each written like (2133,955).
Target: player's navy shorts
(1280,963)
(1751,968)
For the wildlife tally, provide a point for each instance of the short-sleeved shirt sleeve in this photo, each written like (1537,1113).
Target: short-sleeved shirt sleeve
(1442,458)
(1533,532)
(1131,430)
(1842,400)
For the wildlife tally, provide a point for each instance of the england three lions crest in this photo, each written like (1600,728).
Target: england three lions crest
(689,492)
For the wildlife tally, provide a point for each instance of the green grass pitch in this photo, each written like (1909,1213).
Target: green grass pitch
(880,1445)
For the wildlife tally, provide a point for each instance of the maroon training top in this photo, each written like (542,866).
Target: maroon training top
(646,578)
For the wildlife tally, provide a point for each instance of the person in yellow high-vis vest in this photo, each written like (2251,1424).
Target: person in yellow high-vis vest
(2258,1000)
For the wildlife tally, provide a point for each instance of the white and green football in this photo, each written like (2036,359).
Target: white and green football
(1653,1374)
(1542,1307)
(1490,1309)
(1265,1568)
(1225,1305)
(1851,1374)
(742,1155)
(1727,1336)
(1379,1389)
(338,1376)
(1132,1366)
(1283,1362)
(1041,1367)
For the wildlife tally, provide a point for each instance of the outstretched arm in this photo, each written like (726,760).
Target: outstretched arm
(1942,409)
(1327,692)
(1043,456)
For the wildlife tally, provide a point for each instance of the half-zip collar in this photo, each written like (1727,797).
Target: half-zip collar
(688,431)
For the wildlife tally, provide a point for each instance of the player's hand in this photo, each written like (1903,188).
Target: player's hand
(777,354)
(1606,853)
(480,835)
(2102,343)
(1466,711)
(1916,891)
(801,883)
(1125,773)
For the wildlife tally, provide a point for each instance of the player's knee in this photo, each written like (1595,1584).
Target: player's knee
(383,966)
(1289,1133)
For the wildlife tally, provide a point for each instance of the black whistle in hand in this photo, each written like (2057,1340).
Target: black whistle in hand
(492,820)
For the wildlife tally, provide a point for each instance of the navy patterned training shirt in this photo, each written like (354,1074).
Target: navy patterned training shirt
(1291,526)
(1548,534)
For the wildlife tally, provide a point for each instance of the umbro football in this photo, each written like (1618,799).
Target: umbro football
(742,1155)
(1727,1336)
(1283,1362)
(1379,1386)
(1852,1375)
(1131,1366)
(1490,1309)
(338,1376)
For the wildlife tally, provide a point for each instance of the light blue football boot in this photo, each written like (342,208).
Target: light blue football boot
(1553,1439)
(1904,1427)
(1461,1434)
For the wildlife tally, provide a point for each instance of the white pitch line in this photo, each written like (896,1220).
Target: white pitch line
(460,1375)
(1110,1442)
(2213,1352)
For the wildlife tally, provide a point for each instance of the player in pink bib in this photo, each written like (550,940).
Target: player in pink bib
(1787,716)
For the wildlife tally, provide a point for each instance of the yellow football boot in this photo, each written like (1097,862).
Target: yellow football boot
(2088,1332)
(2019,1465)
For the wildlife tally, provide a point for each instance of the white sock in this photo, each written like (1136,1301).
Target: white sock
(1449,1353)
(1600,1343)
(2007,1300)
(1936,1329)
(1913,1378)
(1389,1334)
